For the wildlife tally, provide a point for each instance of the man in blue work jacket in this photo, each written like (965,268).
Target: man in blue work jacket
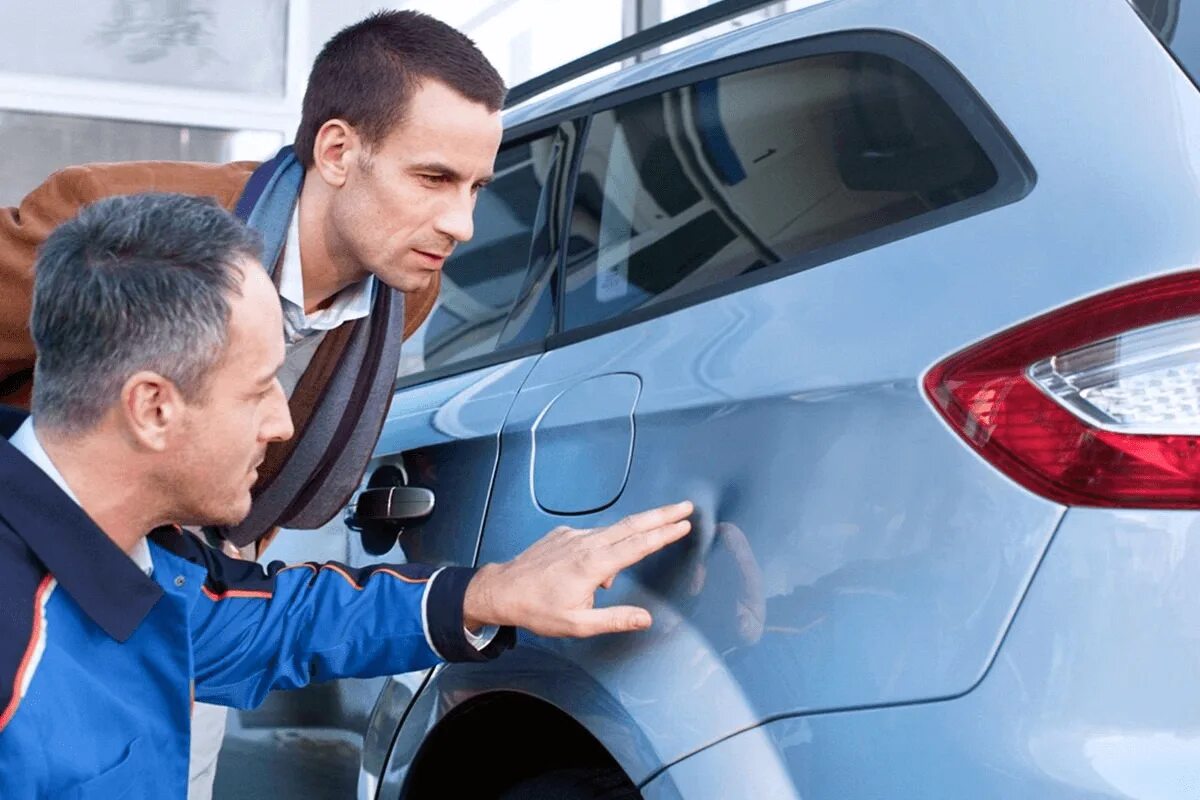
(155,397)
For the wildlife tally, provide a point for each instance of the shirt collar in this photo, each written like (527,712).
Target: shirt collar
(37,503)
(26,441)
(353,302)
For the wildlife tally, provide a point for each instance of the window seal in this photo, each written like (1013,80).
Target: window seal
(583,128)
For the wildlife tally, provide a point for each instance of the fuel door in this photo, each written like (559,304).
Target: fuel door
(583,444)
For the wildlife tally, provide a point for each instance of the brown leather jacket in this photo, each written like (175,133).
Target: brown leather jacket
(24,228)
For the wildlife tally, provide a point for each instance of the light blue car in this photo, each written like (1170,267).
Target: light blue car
(903,294)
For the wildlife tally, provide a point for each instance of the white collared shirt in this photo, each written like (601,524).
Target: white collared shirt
(26,441)
(351,303)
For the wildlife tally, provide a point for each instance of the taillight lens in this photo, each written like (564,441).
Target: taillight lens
(1096,404)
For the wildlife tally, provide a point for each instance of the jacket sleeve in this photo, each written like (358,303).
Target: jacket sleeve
(256,629)
(23,228)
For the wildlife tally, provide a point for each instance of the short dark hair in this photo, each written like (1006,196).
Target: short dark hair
(367,73)
(131,283)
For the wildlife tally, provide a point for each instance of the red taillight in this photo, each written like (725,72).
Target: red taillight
(1096,404)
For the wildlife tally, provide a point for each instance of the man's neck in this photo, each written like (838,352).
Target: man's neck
(326,267)
(112,496)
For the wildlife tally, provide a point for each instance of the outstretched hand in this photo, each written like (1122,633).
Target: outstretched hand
(550,589)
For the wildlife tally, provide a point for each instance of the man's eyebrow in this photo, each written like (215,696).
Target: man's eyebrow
(448,171)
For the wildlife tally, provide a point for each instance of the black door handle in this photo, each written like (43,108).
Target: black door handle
(401,504)
(386,507)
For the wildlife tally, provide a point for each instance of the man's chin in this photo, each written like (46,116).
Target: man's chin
(227,516)
(408,280)
(237,516)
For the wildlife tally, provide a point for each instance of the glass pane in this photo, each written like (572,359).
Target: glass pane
(482,280)
(35,145)
(229,45)
(701,184)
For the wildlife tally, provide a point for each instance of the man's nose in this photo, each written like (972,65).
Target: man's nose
(455,220)
(277,427)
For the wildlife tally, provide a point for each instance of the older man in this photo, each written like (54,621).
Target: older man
(155,399)
(399,131)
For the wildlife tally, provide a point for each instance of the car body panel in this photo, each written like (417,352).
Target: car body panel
(446,435)
(1093,695)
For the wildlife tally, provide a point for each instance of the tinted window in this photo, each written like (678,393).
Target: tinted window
(483,279)
(683,190)
(1177,24)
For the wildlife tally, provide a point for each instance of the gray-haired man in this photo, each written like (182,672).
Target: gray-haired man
(155,397)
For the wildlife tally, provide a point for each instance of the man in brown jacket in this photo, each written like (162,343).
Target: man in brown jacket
(400,129)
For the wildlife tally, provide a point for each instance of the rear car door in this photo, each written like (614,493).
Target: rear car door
(755,254)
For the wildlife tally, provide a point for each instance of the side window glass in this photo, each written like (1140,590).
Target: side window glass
(484,277)
(681,191)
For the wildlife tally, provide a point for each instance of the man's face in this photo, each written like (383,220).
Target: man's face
(408,200)
(224,434)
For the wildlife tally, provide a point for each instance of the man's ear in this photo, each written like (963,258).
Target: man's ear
(152,409)
(336,149)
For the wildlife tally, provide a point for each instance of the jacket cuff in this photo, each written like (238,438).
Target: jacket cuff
(444,619)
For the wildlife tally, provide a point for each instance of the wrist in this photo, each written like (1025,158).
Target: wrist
(478,607)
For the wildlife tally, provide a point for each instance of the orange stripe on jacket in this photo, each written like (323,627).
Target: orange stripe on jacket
(235,593)
(350,580)
(35,638)
(228,593)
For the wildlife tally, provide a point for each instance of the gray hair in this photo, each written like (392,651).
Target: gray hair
(133,283)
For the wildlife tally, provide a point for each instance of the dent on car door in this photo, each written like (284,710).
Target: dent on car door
(705,358)
(458,376)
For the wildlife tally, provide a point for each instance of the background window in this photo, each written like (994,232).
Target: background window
(692,187)
(483,279)
(524,38)
(228,45)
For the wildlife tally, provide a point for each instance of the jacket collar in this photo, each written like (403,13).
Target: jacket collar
(99,576)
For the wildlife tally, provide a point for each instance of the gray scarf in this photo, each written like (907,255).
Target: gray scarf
(340,403)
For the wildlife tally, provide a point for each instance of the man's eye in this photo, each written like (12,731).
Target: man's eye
(435,180)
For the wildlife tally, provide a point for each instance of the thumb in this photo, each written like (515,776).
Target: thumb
(615,619)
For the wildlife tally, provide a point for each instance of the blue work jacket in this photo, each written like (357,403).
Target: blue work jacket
(100,662)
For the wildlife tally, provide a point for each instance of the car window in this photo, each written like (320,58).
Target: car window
(698,185)
(483,279)
(1177,25)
